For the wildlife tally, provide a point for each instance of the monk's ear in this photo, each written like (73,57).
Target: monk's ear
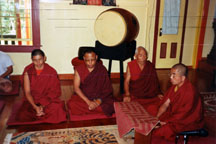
(135,55)
(45,58)
(96,57)
(183,78)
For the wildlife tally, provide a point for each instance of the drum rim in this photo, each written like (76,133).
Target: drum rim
(125,28)
(131,30)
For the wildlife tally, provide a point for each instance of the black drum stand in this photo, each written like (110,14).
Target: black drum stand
(120,52)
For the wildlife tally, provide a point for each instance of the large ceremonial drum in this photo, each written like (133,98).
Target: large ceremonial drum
(115,26)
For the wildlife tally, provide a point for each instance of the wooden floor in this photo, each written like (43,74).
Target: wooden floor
(202,80)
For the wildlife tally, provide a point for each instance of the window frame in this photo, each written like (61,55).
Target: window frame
(35,33)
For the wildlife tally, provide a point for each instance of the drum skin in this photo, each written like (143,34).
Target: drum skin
(115,26)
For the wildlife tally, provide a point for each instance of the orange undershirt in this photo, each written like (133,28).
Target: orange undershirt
(38,72)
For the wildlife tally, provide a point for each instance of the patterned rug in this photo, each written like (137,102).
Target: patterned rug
(86,135)
(209,103)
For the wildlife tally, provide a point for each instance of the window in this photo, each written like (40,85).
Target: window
(171,16)
(19,25)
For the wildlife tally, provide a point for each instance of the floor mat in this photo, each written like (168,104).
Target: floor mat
(93,135)
(209,103)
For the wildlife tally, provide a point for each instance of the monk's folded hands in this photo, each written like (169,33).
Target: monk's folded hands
(92,105)
(160,96)
(39,111)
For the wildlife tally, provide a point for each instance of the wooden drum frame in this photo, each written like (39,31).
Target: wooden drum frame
(115,26)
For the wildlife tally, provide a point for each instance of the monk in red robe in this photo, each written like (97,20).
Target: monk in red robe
(93,89)
(42,91)
(181,108)
(141,82)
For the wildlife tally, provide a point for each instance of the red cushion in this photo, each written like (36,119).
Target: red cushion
(76,61)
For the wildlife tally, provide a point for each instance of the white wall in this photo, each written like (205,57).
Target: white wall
(65,27)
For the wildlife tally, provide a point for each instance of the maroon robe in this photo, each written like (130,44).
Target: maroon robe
(94,85)
(45,90)
(144,85)
(184,112)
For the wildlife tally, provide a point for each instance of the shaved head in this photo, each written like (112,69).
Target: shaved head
(181,69)
(140,48)
(37,52)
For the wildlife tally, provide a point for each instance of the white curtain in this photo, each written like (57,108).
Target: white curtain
(171,16)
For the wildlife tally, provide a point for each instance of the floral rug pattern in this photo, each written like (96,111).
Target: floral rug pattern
(86,135)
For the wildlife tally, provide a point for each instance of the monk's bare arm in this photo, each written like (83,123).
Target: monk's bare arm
(126,82)
(27,91)
(163,108)
(77,89)
(127,97)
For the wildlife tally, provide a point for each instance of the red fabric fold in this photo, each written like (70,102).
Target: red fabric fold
(145,83)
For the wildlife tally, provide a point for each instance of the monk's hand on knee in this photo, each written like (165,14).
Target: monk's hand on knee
(126,98)
(92,105)
(39,111)
(40,114)
(160,96)
(162,123)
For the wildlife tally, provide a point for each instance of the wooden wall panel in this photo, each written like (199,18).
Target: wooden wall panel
(173,50)
(163,50)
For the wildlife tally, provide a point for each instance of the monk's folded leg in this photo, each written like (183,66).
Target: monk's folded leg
(77,106)
(55,112)
(26,113)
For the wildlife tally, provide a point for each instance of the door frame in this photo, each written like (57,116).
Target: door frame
(157,27)
(205,9)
